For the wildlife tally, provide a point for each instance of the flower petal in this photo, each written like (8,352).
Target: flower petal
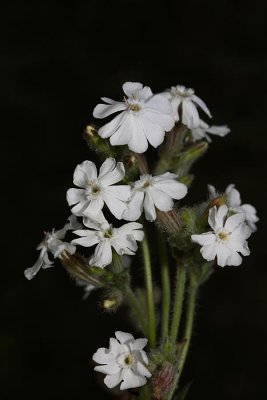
(204,239)
(114,176)
(233,222)
(104,110)
(172,188)
(75,196)
(149,208)
(134,207)
(123,337)
(103,255)
(130,88)
(131,380)
(201,104)
(112,381)
(84,172)
(111,127)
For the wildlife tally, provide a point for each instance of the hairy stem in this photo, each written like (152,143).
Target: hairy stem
(136,308)
(150,294)
(178,301)
(166,291)
(190,312)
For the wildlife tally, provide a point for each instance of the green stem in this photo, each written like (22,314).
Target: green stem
(191,305)
(178,301)
(134,304)
(166,291)
(150,295)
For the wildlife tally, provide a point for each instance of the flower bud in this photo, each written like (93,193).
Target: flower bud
(77,268)
(163,380)
(97,143)
(169,221)
(111,301)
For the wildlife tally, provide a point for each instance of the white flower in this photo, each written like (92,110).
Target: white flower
(233,201)
(122,239)
(184,99)
(227,239)
(124,361)
(154,191)
(143,118)
(203,129)
(97,190)
(53,243)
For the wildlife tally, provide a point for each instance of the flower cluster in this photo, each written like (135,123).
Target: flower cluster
(138,194)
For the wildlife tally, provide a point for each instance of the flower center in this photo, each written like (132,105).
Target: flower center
(222,236)
(129,360)
(93,188)
(133,104)
(108,233)
(126,360)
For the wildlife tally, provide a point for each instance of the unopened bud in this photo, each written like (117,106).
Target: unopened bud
(112,301)
(163,380)
(96,142)
(169,221)
(77,268)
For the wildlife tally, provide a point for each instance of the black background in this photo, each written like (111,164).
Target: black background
(57,59)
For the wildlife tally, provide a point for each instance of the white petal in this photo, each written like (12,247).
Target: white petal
(223,253)
(94,207)
(190,115)
(103,110)
(107,166)
(162,201)
(123,134)
(154,133)
(174,189)
(116,206)
(130,88)
(112,380)
(134,207)
(212,217)
(111,369)
(234,259)
(161,105)
(149,208)
(209,251)
(121,192)
(220,216)
(201,104)
(138,142)
(144,94)
(80,207)
(103,255)
(218,130)
(88,239)
(233,222)
(111,127)
(31,272)
(233,196)
(138,344)
(84,172)
(131,380)
(75,196)
(204,239)
(124,337)
(142,370)
(103,356)
(114,176)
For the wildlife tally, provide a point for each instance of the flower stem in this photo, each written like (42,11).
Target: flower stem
(190,312)
(178,301)
(166,291)
(150,295)
(134,304)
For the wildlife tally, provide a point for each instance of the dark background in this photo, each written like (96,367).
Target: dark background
(57,59)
